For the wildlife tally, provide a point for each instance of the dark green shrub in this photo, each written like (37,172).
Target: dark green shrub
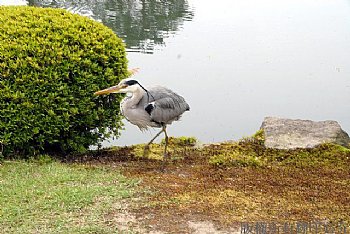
(51,63)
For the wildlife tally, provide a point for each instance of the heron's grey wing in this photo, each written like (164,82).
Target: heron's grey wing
(165,106)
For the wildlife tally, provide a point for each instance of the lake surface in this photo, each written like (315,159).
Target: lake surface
(235,61)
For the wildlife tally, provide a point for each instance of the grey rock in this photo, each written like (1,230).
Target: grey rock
(295,133)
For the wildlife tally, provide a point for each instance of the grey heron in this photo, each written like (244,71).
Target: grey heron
(154,107)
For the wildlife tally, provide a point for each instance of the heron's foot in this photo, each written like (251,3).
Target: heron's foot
(145,151)
(166,156)
(164,163)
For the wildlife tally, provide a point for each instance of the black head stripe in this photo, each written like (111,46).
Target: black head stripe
(131,82)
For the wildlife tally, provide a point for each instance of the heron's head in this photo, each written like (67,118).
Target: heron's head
(124,86)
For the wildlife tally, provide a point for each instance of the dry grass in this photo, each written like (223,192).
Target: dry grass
(286,186)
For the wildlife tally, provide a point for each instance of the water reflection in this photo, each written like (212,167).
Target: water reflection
(142,24)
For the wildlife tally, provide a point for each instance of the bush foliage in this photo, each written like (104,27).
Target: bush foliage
(51,63)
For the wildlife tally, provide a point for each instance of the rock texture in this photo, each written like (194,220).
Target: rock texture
(291,134)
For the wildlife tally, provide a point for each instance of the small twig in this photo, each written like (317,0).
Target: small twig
(133,71)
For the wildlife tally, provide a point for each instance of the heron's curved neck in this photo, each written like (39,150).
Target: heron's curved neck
(137,95)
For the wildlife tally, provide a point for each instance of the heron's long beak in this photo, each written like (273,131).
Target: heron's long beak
(113,89)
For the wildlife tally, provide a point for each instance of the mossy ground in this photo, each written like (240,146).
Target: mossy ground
(231,183)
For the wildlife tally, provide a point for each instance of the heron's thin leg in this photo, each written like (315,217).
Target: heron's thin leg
(165,149)
(151,141)
(166,142)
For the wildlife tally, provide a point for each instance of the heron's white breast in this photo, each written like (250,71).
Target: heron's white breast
(136,115)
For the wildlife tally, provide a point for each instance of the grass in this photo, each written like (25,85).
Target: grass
(51,197)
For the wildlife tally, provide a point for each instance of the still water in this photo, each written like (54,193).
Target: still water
(235,61)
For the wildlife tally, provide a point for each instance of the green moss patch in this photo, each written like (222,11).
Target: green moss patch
(251,152)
